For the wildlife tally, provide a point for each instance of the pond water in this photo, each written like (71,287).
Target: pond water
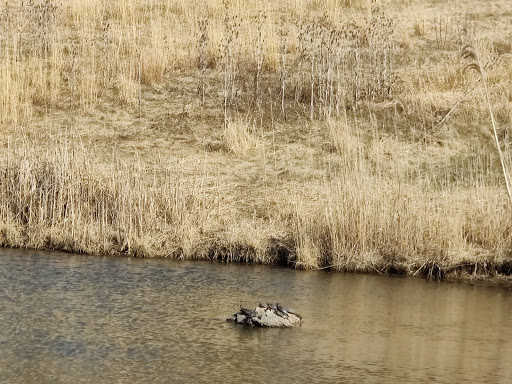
(85,319)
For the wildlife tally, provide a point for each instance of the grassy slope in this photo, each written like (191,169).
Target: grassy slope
(109,150)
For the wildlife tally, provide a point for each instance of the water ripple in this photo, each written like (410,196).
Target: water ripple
(71,318)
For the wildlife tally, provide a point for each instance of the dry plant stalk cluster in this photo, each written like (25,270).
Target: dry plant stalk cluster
(66,51)
(340,66)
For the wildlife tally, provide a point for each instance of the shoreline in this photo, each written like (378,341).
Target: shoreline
(486,276)
(430,269)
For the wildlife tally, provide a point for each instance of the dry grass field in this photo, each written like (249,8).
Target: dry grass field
(354,135)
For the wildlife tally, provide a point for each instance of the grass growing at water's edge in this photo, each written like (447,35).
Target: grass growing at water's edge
(233,131)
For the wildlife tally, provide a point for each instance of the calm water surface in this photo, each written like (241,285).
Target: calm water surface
(82,319)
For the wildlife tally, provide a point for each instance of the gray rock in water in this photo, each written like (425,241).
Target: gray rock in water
(270,315)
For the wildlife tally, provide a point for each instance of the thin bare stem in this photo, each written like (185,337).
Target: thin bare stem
(470,53)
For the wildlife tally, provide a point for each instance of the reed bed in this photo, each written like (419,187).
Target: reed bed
(65,53)
(316,58)
(337,134)
(62,200)
(358,220)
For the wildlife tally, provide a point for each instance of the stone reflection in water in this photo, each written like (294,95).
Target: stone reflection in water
(68,318)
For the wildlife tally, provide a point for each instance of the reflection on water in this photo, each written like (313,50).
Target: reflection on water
(70,318)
